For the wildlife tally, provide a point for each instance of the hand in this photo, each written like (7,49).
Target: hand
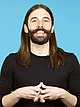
(50,93)
(30,92)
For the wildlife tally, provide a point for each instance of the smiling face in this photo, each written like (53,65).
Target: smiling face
(40,26)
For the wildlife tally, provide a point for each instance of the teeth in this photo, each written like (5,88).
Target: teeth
(40,31)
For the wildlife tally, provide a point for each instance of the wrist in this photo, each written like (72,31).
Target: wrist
(10,99)
(69,99)
(16,94)
(63,94)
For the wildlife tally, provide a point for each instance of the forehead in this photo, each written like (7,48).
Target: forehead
(40,13)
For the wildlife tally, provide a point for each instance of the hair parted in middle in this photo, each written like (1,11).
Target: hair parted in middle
(57,55)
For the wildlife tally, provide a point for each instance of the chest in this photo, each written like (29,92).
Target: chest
(40,71)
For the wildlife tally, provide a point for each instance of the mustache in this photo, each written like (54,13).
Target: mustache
(40,28)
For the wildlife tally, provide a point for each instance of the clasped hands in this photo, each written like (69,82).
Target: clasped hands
(41,92)
(47,93)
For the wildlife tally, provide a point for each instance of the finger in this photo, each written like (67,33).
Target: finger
(36,99)
(42,100)
(39,85)
(45,96)
(33,93)
(45,91)
(37,90)
(43,86)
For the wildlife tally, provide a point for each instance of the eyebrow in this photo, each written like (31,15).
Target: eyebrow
(46,18)
(33,18)
(37,18)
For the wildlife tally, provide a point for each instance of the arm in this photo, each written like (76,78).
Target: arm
(68,99)
(9,96)
(10,99)
(30,92)
(53,93)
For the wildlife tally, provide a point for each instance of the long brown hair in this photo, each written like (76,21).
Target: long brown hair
(57,55)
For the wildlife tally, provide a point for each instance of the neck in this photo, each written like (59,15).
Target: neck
(40,50)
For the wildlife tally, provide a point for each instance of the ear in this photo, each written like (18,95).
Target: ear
(25,28)
(52,29)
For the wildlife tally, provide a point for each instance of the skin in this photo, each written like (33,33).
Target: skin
(41,18)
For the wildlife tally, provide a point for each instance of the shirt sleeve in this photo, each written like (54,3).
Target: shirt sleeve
(5,78)
(74,78)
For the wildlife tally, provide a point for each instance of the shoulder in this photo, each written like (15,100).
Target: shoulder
(8,62)
(71,61)
(10,58)
(71,57)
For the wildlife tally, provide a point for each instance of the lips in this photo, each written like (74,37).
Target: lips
(40,33)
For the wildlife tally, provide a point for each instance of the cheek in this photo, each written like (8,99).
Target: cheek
(32,26)
(47,26)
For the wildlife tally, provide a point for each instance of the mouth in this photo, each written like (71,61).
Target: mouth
(40,33)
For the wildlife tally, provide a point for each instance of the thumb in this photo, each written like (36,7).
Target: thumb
(43,86)
(39,85)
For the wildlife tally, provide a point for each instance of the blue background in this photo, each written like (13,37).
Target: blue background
(67,24)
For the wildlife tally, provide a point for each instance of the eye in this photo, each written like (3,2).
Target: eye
(34,20)
(46,20)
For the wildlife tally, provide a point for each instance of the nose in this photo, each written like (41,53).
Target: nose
(40,24)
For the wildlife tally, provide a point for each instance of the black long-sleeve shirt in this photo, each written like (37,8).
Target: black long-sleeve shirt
(14,76)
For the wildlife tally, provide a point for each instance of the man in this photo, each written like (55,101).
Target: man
(40,74)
